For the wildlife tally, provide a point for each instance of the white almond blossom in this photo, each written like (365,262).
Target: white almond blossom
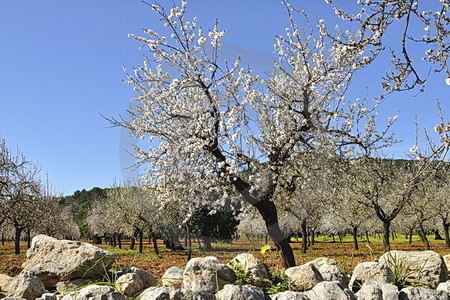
(213,125)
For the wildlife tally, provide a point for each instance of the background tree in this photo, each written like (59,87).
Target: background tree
(221,225)
(80,204)
(20,189)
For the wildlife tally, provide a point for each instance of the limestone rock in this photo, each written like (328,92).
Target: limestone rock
(95,292)
(250,264)
(147,279)
(370,271)
(444,286)
(129,284)
(71,285)
(333,273)
(26,286)
(390,291)
(323,261)
(447,261)
(240,292)
(328,290)
(411,293)
(173,277)
(207,275)
(53,260)
(370,292)
(289,295)
(305,276)
(376,290)
(190,295)
(156,293)
(421,268)
(5,281)
(47,296)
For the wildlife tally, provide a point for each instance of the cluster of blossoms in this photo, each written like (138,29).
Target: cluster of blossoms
(375,17)
(208,122)
(444,131)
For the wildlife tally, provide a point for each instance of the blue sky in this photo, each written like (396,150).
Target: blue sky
(61,67)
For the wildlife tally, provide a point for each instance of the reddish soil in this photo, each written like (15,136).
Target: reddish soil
(347,257)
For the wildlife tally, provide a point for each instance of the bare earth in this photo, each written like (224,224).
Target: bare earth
(347,258)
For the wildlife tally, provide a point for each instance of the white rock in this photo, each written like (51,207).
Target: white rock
(129,284)
(411,293)
(5,281)
(305,276)
(47,296)
(250,264)
(207,275)
(289,295)
(173,277)
(26,286)
(424,268)
(333,273)
(68,286)
(190,295)
(53,260)
(323,261)
(369,292)
(370,271)
(444,286)
(328,290)
(388,291)
(240,292)
(95,292)
(156,293)
(147,279)
(447,261)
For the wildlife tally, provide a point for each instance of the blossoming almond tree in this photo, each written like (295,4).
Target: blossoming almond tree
(212,124)
(420,25)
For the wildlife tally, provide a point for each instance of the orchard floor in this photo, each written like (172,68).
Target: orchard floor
(344,253)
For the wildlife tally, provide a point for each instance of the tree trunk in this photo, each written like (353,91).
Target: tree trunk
(437,236)
(189,243)
(207,243)
(304,236)
(268,212)
(423,237)
(309,237)
(313,237)
(386,234)
(155,244)
(141,241)
(446,234)
(355,237)
(367,237)
(411,231)
(28,239)
(133,241)
(119,240)
(17,234)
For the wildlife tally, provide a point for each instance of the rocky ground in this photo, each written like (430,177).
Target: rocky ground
(67,270)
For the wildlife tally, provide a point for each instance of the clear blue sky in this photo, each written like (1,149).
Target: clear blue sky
(61,67)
